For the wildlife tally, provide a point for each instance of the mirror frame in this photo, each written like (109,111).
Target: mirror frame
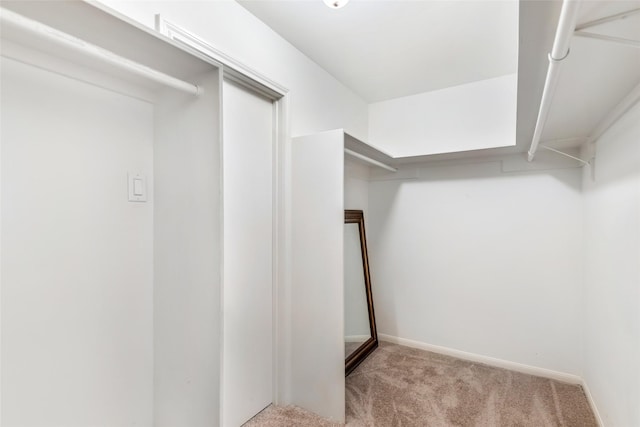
(361,353)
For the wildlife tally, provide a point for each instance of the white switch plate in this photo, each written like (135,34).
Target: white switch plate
(137,187)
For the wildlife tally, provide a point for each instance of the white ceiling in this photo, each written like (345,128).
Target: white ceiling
(386,49)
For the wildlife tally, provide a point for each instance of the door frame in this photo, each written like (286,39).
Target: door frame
(238,73)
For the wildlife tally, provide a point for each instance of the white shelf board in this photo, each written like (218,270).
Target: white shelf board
(100,28)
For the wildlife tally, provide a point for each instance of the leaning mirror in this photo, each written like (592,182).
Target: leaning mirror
(360,335)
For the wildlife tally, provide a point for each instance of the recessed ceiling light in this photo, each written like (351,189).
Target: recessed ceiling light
(335,4)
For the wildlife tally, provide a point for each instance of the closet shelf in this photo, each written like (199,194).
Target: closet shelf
(95,44)
(361,150)
(32,33)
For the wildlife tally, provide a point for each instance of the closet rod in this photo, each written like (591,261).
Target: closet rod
(10,18)
(559,52)
(369,160)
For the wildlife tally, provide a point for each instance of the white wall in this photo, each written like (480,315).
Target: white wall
(612,271)
(467,117)
(319,101)
(356,185)
(469,258)
(77,257)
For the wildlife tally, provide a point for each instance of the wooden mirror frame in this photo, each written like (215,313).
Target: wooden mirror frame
(361,353)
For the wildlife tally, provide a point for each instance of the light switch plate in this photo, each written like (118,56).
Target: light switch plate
(137,187)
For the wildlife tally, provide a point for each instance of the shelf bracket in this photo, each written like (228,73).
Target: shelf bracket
(619,40)
(583,162)
(606,19)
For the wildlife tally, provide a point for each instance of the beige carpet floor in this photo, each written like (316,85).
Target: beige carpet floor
(403,387)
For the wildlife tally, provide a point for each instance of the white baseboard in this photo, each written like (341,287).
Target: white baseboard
(487,360)
(592,403)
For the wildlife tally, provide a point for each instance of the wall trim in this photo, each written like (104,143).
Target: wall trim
(487,360)
(592,403)
(232,68)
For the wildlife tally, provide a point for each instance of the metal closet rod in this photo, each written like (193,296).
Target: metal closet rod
(560,50)
(566,28)
(369,160)
(88,49)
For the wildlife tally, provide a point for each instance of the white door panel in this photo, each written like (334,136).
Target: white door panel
(248,254)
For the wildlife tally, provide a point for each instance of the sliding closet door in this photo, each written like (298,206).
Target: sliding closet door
(248,254)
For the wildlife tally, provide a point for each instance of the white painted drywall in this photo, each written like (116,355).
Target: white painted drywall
(317,274)
(469,258)
(612,273)
(247,350)
(472,116)
(77,256)
(319,101)
(187,245)
(356,185)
